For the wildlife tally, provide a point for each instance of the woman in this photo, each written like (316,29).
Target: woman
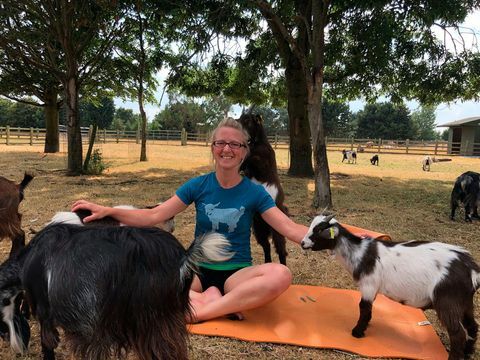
(225,202)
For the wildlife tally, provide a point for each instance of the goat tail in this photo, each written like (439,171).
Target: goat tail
(211,247)
(26,180)
(476,280)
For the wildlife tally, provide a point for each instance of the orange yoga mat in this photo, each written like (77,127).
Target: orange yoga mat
(321,317)
(364,232)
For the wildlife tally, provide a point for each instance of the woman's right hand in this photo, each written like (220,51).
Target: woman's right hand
(98,211)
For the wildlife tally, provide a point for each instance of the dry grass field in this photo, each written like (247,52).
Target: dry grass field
(396,198)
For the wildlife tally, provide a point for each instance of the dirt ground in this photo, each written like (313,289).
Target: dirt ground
(396,198)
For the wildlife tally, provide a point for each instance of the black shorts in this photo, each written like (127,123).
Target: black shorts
(217,278)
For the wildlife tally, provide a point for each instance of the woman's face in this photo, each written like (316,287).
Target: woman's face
(228,156)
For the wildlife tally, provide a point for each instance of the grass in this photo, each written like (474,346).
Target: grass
(396,198)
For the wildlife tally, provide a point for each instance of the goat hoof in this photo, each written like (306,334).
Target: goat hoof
(358,333)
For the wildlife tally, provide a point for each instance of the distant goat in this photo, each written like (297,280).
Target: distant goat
(415,273)
(261,167)
(11,194)
(113,290)
(350,156)
(467,191)
(426,162)
(76,218)
(374,160)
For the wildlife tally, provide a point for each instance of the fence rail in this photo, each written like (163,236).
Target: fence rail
(34,136)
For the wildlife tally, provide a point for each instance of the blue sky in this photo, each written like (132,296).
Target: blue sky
(444,112)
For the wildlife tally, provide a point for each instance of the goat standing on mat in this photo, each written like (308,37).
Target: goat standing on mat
(260,166)
(467,191)
(113,290)
(11,194)
(350,156)
(415,273)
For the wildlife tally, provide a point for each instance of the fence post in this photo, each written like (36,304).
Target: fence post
(379,145)
(104,136)
(37,132)
(31,136)
(138,136)
(207,137)
(407,143)
(351,144)
(183,137)
(118,136)
(8,135)
(436,146)
(90,130)
(276,140)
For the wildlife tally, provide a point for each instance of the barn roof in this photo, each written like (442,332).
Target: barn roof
(474,120)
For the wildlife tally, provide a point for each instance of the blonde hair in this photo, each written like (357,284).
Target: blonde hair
(234,124)
(231,123)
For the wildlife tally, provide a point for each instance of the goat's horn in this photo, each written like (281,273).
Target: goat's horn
(329,217)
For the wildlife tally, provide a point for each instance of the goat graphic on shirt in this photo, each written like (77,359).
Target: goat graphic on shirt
(229,216)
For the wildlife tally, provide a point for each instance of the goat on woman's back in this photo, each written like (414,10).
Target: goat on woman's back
(260,166)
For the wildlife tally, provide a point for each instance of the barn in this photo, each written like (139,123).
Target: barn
(464,136)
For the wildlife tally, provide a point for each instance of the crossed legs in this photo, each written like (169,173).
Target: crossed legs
(248,288)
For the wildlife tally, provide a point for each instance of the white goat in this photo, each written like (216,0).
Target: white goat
(427,161)
(415,273)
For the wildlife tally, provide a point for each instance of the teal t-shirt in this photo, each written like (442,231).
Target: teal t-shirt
(226,211)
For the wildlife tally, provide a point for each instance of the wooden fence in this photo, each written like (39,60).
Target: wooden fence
(31,136)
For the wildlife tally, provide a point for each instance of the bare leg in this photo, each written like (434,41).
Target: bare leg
(247,289)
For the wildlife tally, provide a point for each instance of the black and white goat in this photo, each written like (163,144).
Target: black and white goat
(11,194)
(415,273)
(350,156)
(261,167)
(374,160)
(113,290)
(467,191)
(76,218)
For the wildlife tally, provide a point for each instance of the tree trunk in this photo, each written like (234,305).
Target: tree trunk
(91,142)
(143,151)
(74,165)
(52,143)
(299,130)
(322,197)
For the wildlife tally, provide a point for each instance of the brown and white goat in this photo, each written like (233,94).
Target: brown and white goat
(416,273)
(11,194)
(260,166)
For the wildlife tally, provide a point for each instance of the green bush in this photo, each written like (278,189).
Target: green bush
(96,165)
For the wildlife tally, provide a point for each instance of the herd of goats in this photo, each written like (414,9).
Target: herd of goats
(116,290)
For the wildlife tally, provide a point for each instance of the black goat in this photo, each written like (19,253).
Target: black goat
(374,160)
(415,273)
(76,218)
(11,194)
(113,290)
(261,167)
(467,191)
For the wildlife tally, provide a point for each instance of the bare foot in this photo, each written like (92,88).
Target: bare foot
(198,300)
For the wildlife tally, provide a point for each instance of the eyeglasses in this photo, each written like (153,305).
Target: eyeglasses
(232,144)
